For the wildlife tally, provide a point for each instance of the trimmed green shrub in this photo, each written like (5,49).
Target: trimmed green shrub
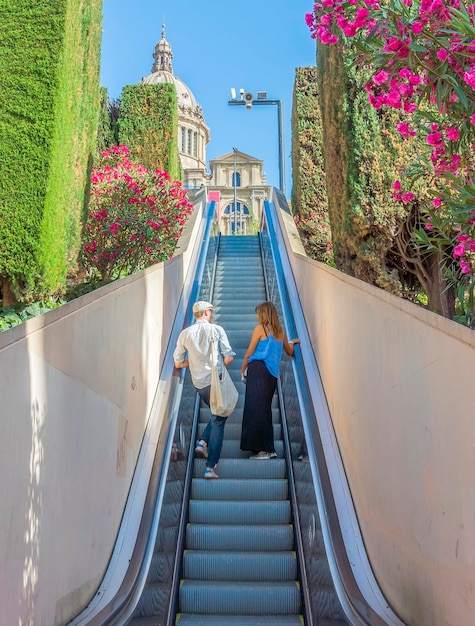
(309,191)
(148,126)
(49,104)
(108,131)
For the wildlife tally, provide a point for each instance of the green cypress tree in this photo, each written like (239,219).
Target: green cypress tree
(49,104)
(148,126)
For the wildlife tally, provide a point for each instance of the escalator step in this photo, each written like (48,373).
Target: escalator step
(240,538)
(239,620)
(233,489)
(255,513)
(240,566)
(231,449)
(233,431)
(238,598)
(244,468)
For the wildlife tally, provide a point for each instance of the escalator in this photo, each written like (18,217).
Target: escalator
(263,544)
(239,564)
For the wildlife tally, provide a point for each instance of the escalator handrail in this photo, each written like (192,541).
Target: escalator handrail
(184,512)
(120,608)
(305,590)
(355,606)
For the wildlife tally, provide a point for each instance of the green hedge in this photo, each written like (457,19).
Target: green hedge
(49,104)
(363,155)
(148,126)
(107,134)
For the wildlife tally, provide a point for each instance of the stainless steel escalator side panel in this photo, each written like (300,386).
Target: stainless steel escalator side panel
(162,459)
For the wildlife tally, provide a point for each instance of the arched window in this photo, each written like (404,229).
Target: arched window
(189,143)
(238,179)
(237,218)
(195,144)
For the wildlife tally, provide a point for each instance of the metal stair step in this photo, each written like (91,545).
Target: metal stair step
(232,430)
(231,449)
(235,489)
(239,620)
(240,566)
(239,512)
(235,598)
(244,468)
(240,538)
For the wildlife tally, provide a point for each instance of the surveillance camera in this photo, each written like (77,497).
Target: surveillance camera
(233,93)
(241,91)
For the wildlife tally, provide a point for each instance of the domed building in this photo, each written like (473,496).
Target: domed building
(193,134)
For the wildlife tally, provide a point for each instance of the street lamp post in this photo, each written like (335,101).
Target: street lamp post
(235,191)
(247,99)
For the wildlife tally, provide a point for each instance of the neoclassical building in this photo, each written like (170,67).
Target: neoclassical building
(239,187)
(193,134)
(236,180)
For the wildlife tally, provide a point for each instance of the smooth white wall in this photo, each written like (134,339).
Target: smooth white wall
(76,389)
(399,382)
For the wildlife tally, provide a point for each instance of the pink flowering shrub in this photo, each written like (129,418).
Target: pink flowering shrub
(421,61)
(135,216)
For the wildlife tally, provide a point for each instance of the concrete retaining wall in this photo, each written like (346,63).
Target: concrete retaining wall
(76,390)
(399,382)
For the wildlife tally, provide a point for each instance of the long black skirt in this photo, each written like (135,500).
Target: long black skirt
(257,432)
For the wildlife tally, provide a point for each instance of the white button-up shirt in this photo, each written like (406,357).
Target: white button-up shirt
(196,341)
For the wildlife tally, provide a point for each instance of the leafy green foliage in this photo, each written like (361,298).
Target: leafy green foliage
(362,158)
(108,131)
(148,126)
(14,315)
(48,122)
(309,193)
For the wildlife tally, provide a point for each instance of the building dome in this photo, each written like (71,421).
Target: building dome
(184,94)
(193,134)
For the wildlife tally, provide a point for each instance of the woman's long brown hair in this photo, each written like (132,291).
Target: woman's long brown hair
(267,316)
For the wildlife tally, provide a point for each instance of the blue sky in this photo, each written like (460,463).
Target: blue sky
(217,45)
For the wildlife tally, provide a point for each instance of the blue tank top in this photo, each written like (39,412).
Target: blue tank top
(269,350)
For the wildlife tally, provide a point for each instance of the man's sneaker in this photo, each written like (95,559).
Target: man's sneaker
(273,455)
(210,473)
(201,451)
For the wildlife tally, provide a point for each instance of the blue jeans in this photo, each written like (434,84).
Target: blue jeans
(213,433)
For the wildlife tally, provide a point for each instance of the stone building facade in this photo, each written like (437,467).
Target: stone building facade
(193,133)
(237,181)
(236,178)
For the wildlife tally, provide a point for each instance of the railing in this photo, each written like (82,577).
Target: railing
(304,438)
